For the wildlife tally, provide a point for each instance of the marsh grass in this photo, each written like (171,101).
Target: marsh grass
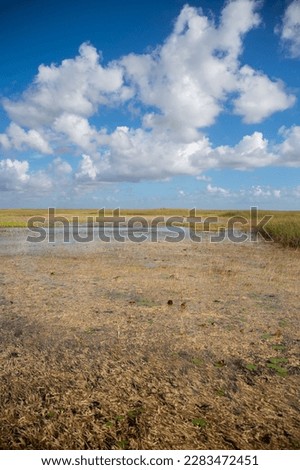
(284,227)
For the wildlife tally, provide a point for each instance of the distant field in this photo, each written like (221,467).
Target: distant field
(284,227)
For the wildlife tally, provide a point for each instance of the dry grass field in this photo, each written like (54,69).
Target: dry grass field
(284,227)
(149,346)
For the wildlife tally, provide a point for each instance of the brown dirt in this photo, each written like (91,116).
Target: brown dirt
(126,346)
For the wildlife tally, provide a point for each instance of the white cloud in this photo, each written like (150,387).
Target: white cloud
(256,88)
(135,154)
(17,138)
(290,29)
(217,190)
(42,182)
(203,178)
(5,142)
(277,193)
(13,174)
(61,167)
(258,191)
(78,132)
(251,152)
(77,86)
(242,14)
(289,150)
(240,197)
(191,78)
(262,192)
(87,169)
(180,89)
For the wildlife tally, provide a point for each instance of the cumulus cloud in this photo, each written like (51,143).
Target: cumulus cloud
(13,174)
(290,29)
(5,142)
(134,155)
(87,169)
(190,79)
(76,86)
(289,149)
(256,88)
(17,138)
(61,167)
(77,131)
(179,89)
(251,152)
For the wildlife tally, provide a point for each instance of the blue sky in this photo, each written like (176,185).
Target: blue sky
(150,104)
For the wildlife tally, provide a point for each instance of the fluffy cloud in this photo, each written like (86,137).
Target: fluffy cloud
(13,174)
(60,167)
(87,170)
(190,79)
(290,29)
(77,86)
(289,150)
(251,152)
(179,90)
(16,176)
(17,138)
(134,155)
(257,88)
(77,131)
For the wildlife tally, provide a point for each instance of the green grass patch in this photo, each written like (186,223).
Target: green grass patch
(197,362)
(220,364)
(278,347)
(123,444)
(276,364)
(200,422)
(266,336)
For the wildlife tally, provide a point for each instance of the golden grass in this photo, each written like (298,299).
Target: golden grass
(284,228)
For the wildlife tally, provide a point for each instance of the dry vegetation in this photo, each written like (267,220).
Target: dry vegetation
(149,346)
(284,228)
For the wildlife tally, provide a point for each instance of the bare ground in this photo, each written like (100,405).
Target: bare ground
(150,346)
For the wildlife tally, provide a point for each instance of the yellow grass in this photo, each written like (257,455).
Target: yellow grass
(284,227)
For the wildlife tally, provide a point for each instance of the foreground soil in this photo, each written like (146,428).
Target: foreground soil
(150,346)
